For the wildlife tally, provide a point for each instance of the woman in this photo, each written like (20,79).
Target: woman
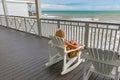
(70,44)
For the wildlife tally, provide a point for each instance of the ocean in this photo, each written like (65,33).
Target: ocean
(87,15)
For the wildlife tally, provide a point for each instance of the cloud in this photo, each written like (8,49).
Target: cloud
(56,7)
(97,7)
(108,7)
(79,7)
(117,7)
(73,4)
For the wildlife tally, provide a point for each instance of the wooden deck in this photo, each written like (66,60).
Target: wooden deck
(23,57)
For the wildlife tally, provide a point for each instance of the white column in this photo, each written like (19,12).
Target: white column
(5,10)
(38,13)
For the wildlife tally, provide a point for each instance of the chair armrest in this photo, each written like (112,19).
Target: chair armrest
(74,49)
(50,42)
(114,63)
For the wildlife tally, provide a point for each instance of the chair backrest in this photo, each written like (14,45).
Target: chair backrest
(102,58)
(58,43)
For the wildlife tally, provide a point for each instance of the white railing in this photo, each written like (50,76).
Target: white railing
(93,34)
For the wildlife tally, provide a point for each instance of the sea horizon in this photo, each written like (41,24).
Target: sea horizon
(108,15)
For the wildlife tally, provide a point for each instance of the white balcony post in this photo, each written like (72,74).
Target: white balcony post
(5,11)
(38,13)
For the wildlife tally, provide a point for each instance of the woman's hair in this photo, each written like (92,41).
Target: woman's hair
(60,33)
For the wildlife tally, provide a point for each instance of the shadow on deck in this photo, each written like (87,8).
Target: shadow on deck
(23,57)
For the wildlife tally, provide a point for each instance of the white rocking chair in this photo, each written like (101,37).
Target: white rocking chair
(62,54)
(104,62)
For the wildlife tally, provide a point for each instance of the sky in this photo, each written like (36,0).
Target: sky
(80,4)
(16,9)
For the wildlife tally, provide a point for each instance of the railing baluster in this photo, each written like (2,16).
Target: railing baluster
(110,39)
(58,22)
(76,34)
(90,37)
(25,24)
(106,37)
(118,49)
(94,37)
(15,23)
(52,29)
(79,40)
(71,32)
(67,32)
(86,34)
(98,36)
(114,40)
(82,36)
(102,38)
(0,21)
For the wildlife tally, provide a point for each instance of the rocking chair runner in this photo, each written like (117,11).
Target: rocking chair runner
(103,62)
(62,54)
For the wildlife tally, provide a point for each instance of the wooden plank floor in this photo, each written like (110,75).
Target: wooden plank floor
(23,57)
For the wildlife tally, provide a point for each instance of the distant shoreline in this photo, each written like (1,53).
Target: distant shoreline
(84,15)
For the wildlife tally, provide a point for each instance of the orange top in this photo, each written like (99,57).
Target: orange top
(72,44)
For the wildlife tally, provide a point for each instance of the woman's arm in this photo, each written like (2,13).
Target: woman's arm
(72,45)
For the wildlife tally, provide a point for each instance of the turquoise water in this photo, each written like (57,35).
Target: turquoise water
(85,14)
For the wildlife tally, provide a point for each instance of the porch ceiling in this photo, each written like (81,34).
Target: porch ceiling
(24,1)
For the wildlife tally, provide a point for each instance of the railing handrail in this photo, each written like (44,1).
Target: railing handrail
(94,22)
(19,16)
